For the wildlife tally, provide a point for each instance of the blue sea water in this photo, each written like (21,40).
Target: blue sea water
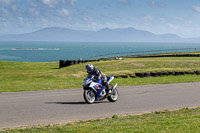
(54,51)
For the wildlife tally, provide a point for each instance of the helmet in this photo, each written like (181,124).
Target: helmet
(89,68)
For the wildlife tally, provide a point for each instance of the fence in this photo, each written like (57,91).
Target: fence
(65,63)
(152,52)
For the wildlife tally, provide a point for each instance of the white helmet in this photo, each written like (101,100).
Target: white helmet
(89,68)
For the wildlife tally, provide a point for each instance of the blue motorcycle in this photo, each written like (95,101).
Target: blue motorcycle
(95,91)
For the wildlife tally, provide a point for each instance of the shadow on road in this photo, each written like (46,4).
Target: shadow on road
(97,102)
(66,103)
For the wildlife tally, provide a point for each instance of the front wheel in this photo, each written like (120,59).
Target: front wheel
(114,96)
(89,96)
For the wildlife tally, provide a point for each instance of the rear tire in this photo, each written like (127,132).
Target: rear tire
(89,96)
(113,97)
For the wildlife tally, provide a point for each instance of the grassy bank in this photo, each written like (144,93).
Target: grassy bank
(29,76)
(180,121)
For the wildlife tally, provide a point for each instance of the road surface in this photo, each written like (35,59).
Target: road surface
(55,106)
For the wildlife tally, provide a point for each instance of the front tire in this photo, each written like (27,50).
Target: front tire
(89,96)
(114,96)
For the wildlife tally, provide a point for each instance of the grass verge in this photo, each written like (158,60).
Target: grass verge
(30,76)
(183,120)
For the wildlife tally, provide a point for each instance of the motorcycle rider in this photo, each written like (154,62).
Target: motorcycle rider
(97,74)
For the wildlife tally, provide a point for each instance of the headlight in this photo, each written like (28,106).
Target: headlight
(86,82)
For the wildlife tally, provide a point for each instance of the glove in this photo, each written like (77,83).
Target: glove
(96,78)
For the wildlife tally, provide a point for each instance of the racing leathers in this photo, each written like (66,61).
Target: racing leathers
(99,75)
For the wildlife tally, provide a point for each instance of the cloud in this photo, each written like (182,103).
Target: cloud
(63,12)
(114,25)
(50,3)
(154,4)
(2,19)
(6,2)
(44,21)
(47,2)
(125,2)
(14,8)
(4,12)
(21,20)
(97,26)
(189,22)
(34,11)
(179,18)
(172,26)
(71,2)
(87,18)
(162,20)
(196,8)
(148,18)
(109,16)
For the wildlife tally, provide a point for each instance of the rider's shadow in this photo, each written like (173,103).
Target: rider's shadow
(74,103)
(65,102)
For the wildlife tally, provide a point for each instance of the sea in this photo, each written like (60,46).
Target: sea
(55,51)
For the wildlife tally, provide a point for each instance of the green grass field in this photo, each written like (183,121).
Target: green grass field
(179,121)
(29,76)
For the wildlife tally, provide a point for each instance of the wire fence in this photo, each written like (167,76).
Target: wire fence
(139,53)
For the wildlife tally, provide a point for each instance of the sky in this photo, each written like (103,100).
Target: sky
(181,17)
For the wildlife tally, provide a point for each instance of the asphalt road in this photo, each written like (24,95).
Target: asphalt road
(54,106)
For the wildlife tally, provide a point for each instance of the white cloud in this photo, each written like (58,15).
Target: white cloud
(63,12)
(148,18)
(14,8)
(4,12)
(156,4)
(2,19)
(6,2)
(44,21)
(179,18)
(34,11)
(87,18)
(21,20)
(172,26)
(97,26)
(109,16)
(47,2)
(50,3)
(162,20)
(196,8)
(189,22)
(72,2)
(125,2)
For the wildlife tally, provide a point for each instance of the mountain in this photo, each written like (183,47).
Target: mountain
(49,34)
(103,35)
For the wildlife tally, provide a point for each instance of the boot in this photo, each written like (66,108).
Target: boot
(108,87)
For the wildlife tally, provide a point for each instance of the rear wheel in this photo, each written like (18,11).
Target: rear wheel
(114,96)
(89,96)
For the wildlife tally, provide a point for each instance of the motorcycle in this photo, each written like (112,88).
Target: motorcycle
(95,91)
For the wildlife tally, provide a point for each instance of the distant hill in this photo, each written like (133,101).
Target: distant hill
(103,35)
